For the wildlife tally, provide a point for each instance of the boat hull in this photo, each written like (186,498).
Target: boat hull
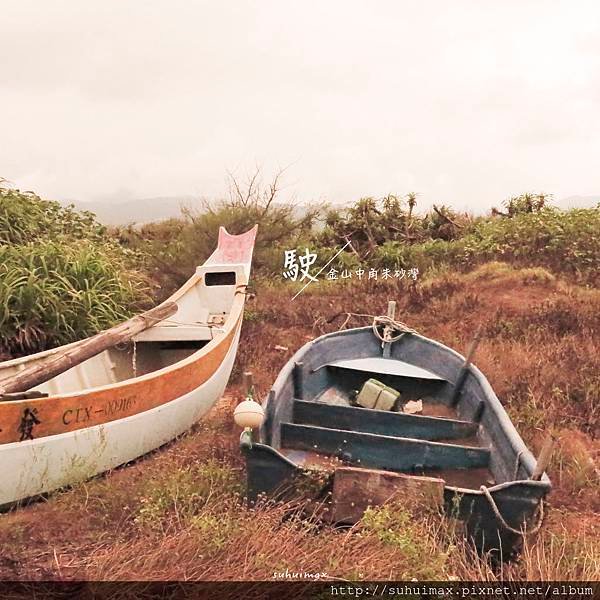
(45,464)
(270,474)
(470,445)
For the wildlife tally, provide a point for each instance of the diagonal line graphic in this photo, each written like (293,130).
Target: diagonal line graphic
(323,268)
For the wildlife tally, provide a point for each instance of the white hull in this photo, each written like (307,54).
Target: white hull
(126,401)
(46,464)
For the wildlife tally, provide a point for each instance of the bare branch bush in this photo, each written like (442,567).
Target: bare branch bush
(177,246)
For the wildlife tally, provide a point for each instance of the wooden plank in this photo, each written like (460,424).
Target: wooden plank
(179,333)
(37,374)
(366,420)
(354,490)
(382,452)
(58,414)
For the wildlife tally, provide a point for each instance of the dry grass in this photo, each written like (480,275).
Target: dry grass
(179,513)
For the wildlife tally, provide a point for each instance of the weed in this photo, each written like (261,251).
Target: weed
(395,525)
(185,492)
(61,277)
(215,530)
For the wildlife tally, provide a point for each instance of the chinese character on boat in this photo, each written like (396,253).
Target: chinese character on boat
(28,421)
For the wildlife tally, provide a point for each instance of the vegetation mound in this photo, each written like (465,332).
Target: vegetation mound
(62,277)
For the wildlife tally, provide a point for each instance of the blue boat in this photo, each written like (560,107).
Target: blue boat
(460,435)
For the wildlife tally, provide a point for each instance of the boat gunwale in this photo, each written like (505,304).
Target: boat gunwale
(40,441)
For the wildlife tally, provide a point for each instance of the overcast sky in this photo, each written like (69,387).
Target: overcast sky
(465,103)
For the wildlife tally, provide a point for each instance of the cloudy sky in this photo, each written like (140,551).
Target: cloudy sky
(464,102)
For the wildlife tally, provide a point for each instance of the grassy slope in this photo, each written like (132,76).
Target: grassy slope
(177,513)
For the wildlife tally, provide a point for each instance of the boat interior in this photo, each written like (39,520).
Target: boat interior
(203,303)
(323,427)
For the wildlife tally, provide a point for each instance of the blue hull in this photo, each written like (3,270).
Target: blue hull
(463,435)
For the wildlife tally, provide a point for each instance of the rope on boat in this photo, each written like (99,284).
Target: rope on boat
(242,288)
(193,324)
(390,325)
(134,359)
(500,518)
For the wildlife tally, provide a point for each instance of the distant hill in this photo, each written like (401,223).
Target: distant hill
(142,210)
(577,202)
(146,210)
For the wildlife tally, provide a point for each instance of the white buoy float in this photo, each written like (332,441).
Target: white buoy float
(249,414)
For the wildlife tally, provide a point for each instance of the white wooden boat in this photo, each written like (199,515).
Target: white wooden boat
(128,400)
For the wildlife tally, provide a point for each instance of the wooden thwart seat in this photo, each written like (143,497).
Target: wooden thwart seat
(382,451)
(367,420)
(179,333)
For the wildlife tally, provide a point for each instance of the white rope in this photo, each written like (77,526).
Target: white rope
(390,325)
(505,524)
(134,359)
(192,324)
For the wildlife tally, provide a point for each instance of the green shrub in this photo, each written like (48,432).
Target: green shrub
(562,241)
(61,277)
(177,246)
(396,526)
(25,217)
(187,492)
